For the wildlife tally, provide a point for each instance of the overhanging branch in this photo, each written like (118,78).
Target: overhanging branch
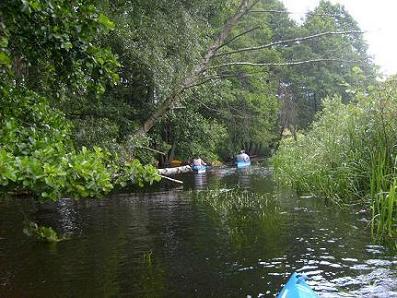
(287,41)
(237,36)
(270,11)
(280,11)
(225,76)
(288,63)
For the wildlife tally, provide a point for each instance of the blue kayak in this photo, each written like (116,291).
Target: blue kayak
(243,164)
(199,169)
(296,287)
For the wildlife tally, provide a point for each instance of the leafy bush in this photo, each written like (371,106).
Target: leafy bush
(37,154)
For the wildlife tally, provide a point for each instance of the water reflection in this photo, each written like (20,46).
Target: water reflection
(234,241)
(200,180)
(243,178)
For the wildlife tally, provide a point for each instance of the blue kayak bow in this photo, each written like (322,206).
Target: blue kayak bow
(296,287)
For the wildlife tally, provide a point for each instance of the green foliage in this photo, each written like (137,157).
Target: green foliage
(158,43)
(195,134)
(137,173)
(66,51)
(349,154)
(51,49)
(90,131)
(37,155)
(50,45)
(246,98)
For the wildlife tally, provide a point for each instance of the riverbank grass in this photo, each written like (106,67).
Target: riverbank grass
(349,156)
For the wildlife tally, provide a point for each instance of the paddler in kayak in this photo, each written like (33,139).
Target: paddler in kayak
(242,157)
(198,165)
(198,162)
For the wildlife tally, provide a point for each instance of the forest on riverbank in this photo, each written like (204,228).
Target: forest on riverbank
(94,93)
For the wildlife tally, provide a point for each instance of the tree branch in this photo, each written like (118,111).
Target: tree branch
(288,63)
(237,36)
(309,13)
(234,115)
(225,76)
(286,41)
(243,9)
(271,11)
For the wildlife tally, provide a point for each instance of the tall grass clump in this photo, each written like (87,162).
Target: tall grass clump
(349,155)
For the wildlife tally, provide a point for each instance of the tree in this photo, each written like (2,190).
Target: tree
(179,54)
(310,83)
(202,69)
(49,48)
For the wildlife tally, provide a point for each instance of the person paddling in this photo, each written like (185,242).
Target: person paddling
(198,162)
(242,157)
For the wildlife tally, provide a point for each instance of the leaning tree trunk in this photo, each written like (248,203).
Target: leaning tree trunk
(192,79)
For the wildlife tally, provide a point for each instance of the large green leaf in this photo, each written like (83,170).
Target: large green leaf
(5,59)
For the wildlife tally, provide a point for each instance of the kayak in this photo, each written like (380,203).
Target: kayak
(296,287)
(199,169)
(243,164)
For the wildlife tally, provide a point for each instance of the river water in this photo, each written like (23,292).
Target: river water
(203,239)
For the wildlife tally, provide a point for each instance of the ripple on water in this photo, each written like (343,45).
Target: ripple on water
(327,257)
(329,264)
(377,283)
(306,268)
(353,260)
(379,263)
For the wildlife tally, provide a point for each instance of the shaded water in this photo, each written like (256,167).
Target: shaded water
(177,243)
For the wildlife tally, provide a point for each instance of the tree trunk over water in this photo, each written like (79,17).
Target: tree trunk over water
(174,171)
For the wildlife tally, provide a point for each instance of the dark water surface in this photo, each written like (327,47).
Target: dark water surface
(176,243)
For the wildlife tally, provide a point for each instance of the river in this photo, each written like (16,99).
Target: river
(225,233)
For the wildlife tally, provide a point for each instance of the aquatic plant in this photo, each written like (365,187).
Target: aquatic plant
(147,258)
(43,233)
(240,212)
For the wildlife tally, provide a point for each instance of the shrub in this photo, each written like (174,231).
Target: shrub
(37,154)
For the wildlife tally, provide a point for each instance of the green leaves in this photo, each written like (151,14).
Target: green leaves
(337,156)
(63,33)
(3,42)
(136,173)
(106,22)
(36,154)
(5,59)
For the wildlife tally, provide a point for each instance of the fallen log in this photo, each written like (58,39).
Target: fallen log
(176,170)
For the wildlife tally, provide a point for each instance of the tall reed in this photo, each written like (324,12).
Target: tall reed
(349,155)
